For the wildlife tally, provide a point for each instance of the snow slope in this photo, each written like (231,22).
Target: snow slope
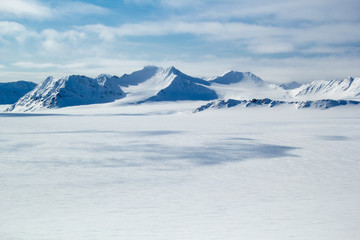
(145,83)
(68,91)
(348,88)
(245,85)
(11,92)
(184,87)
(130,173)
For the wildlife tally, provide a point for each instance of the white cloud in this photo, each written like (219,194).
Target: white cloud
(34,65)
(217,30)
(67,8)
(38,65)
(24,8)
(252,29)
(54,41)
(40,10)
(11,28)
(281,11)
(15,31)
(273,70)
(270,47)
(260,39)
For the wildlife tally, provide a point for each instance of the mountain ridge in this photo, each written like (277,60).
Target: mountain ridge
(156,84)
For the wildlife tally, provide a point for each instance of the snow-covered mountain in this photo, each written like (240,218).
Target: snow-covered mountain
(169,84)
(245,85)
(348,88)
(69,91)
(163,84)
(184,87)
(232,77)
(290,85)
(11,92)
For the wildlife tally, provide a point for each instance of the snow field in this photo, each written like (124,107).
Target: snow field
(145,172)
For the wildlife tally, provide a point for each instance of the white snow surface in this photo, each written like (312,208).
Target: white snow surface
(158,171)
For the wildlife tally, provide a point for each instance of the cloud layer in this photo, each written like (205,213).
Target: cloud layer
(279,40)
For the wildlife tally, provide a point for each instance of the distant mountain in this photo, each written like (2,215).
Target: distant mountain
(290,85)
(184,87)
(68,91)
(319,104)
(141,76)
(11,92)
(347,88)
(162,84)
(238,77)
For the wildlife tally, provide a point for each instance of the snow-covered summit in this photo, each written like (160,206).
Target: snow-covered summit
(184,87)
(164,84)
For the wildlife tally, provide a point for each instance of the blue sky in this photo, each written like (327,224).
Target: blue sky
(279,40)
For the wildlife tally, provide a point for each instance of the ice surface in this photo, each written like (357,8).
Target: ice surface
(149,172)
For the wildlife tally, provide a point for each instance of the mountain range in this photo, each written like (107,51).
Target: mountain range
(155,84)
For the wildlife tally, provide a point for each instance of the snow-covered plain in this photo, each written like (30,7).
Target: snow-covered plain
(151,172)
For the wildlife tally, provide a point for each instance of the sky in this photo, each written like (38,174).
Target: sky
(278,40)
